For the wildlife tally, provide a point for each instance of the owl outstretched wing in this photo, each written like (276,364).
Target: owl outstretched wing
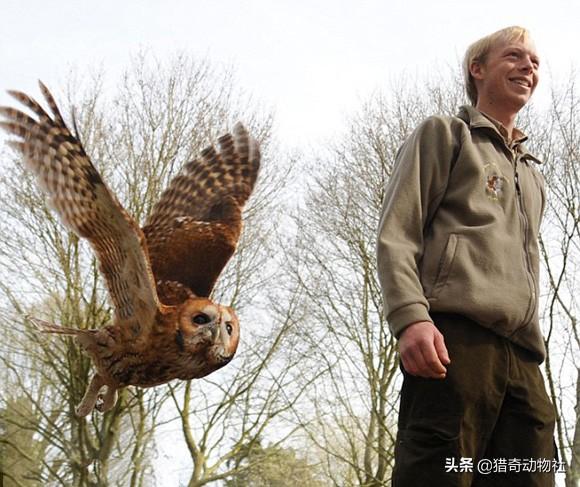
(86,206)
(194,228)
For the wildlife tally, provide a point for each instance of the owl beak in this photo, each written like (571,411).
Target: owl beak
(217,327)
(216,331)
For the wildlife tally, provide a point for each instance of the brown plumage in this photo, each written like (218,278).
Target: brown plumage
(160,277)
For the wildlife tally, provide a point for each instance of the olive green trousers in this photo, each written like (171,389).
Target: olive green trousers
(488,423)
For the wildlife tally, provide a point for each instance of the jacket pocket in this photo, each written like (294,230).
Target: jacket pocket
(445,264)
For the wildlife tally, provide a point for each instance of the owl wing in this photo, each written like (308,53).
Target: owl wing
(194,228)
(86,206)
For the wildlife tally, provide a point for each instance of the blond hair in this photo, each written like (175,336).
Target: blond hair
(478,51)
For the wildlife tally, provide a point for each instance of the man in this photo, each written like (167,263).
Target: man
(458,262)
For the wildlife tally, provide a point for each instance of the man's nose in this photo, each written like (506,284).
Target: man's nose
(526,64)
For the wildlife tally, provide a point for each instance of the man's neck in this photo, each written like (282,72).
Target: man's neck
(508,120)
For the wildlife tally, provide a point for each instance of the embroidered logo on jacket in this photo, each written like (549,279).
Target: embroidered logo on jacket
(494,182)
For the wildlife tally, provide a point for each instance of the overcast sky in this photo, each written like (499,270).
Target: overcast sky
(311,61)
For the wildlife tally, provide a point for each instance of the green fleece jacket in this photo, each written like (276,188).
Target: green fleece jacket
(459,228)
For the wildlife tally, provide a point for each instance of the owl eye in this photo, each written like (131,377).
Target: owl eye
(229,328)
(201,319)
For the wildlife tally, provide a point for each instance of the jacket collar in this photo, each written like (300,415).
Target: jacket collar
(477,120)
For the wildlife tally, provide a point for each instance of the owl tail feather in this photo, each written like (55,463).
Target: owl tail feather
(46,327)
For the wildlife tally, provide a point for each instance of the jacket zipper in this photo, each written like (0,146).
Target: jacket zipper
(524,219)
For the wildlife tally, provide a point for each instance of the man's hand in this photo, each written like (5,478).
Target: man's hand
(423,350)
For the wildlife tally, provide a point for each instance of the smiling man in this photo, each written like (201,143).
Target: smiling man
(458,262)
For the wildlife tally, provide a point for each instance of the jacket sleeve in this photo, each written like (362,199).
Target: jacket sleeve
(412,195)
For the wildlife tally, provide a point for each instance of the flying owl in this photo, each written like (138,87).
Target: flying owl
(159,277)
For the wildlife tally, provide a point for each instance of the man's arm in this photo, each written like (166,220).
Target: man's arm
(411,198)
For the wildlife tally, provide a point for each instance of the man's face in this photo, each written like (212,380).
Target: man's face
(508,77)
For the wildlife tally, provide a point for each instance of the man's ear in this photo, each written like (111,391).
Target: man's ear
(477,70)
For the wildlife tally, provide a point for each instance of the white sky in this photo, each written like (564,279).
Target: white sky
(312,61)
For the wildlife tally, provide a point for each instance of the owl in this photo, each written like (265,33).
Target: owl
(159,277)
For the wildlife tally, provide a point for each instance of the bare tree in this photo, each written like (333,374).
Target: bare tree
(332,270)
(163,115)
(557,142)
(272,465)
(225,417)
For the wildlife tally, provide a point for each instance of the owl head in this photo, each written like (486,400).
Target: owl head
(205,325)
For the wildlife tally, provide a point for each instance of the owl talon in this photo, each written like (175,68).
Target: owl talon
(90,397)
(100,402)
(106,401)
